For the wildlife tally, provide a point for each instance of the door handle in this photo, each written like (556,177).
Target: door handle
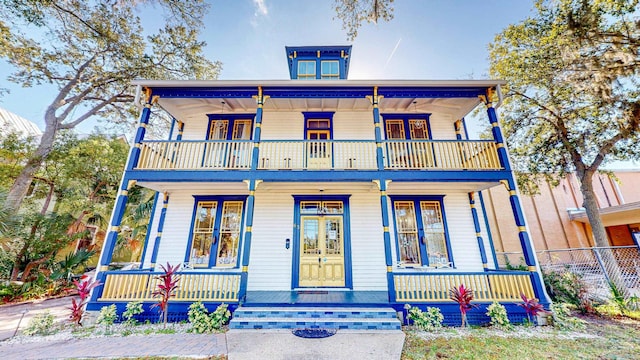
(319,262)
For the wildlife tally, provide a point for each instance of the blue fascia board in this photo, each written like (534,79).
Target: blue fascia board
(205,92)
(431,92)
(315,175)
(316,91)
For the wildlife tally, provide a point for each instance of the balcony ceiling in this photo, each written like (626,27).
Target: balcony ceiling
(195,109)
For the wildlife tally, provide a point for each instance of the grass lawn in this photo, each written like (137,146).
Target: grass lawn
(603,338)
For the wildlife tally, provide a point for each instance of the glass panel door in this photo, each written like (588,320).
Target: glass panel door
(321,252)
(229,233)
(435,241)
(203,229)
(318,149)
(407,231)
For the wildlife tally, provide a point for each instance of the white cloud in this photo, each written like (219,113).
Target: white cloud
(261,8)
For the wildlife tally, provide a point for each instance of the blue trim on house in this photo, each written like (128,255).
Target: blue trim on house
(486,224)
(205,92)
(295,267)
(320,92)
(213,253)
(315,175)
(149,227)
(173,125)
(384,205)
(156,245)
(116,219)
(307,53)
(405,119)
(134,155)
(318,115)
(416,199)
(231,118)
(476,225)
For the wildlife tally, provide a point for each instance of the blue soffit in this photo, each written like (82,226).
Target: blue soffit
(339,52)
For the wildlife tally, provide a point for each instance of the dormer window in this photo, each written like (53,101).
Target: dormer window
(318,62)
(330,69)
(306,69)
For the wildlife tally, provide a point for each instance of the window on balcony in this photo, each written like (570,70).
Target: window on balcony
(217,224)
(230,127)
(318,130)
(407,126)
(330,69)
(307,69)
(421,232)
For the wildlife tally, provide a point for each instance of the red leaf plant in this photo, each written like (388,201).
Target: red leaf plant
(167,285)
(463,296)
(84,287)
(531,306)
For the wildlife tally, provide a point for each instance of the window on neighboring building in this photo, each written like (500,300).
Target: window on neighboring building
(217,226)
(330,69)
(421,232)
(306,69)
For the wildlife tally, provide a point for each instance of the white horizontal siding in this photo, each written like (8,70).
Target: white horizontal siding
(353,126)
(442,127)
(270,262)
(195,130)
(462,233)
(282,126)
(173,244)
(367,242)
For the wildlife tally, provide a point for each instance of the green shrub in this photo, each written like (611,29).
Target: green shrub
(133,308)
(40,324)
(108,315)
(562,318)
(567,287)
(498,314)
(203,322)
(431,320)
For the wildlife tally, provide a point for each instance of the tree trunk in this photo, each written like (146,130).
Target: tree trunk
(21,184)
(611,269)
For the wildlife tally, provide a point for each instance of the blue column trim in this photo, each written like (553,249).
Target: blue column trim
(476,225)
(142,128)
(384,204)
(486,224)
(116,219)
(156,246)
(498,138)
(149,226)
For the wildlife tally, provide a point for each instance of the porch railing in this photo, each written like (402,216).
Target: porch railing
(319,155)
(425,287)
(138,286)
(195,155)
(441,154)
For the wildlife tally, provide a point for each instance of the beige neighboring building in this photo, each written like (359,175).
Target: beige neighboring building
(556,219)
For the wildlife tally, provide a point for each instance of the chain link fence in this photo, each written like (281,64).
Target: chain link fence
(586,263)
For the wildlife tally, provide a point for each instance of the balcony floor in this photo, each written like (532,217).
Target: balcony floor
(313,297)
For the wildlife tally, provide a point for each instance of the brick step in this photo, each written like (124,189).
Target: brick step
(314,323)
(378,313)
(315,318)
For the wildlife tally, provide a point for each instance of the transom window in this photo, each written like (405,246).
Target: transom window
(306,69)
(217,225)
(421,233)
(330,69)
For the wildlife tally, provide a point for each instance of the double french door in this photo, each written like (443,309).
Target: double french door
(321,251)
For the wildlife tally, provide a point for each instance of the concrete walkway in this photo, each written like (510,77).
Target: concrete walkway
(235,344)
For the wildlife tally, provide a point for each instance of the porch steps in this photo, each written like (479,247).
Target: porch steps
(352,318)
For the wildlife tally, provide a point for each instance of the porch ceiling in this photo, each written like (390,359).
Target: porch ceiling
(195,109)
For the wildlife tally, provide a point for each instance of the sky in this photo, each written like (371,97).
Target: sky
(427,40)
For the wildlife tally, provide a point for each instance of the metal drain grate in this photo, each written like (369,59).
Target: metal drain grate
(313,333)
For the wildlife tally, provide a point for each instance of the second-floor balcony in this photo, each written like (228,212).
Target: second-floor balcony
(319,155)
